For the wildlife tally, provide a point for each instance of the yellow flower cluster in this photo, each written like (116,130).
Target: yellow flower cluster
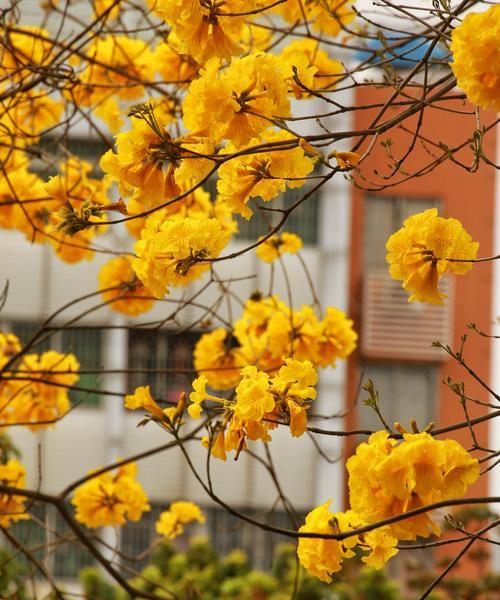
(263,174)
(9,347)
(36,394)
(315,69)
(79,202)
(129,296)
(202,29)
(150,166)
(26,50)
(171,522)
(171,251)
(269,331)
(419,253)
(325,16)
(116,67)
(387,478)
(277,245)
(476,63)
(12,507)
(260,403)
(323,557)
(110,499)
(239,101)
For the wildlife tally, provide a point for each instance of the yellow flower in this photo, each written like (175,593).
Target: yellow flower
(12,507)
(315,69)
(115,62)
(388,478)
(9,347)
(131,297)
(110,499)
(292,387)
(172,251)
(23,203)
(33,113)
(253,398)
(277,245)
(77,194)
(201,29)
(336,338)
(109,111)
(382,545)
(326,16)
(174,66)
(238,101)
(217,357)
(476,63)
(199,395)
(44,398)
(142,398)
(264,174)
(323,557)
(170,523)
(418,254)
(24,52)
(101,5)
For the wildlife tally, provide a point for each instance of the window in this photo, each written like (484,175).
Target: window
(303,220)
(405,391)
(86,345)
(137,537)
(383,215)
(47,536)
(70,556)
(227,532)
(153,355)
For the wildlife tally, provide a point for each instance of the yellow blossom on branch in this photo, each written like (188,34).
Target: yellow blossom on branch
(474,45)
(418,254)
(325,16)
(171,522)
(110,499)
(171,252)
(388,478)
(218,357)
(202,29)
(263,174)
(277,245)
(323,557)
(131,297)
(39,389)
(10,345)
(238,101)
(314,68)
(12,508)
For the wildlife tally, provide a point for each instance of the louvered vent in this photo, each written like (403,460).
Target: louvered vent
(393,328)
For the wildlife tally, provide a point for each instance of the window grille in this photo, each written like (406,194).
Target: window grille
(392,327)
(405,391)
(70,556)
(227,532)
(153,353)
(137,537)
(86,345)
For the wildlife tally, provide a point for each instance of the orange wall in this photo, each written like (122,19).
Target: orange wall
(467,196)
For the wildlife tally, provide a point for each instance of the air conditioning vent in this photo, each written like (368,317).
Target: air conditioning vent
(393,328)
